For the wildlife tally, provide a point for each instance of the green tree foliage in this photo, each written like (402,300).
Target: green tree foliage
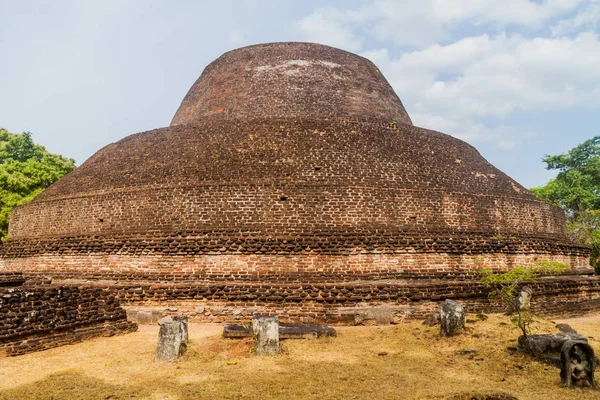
(504,284)
(26,169)
(576,189)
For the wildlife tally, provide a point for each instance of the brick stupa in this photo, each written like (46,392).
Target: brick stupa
(292,181)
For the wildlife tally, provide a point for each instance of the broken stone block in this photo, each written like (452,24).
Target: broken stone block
(286,331)
(178,318)
(143,317)
(217,310)
(547,343)
(266,333)
(577,363)
(452,318)
(172,337)
(374,316)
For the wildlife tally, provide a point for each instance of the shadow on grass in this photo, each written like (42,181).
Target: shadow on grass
(70,385)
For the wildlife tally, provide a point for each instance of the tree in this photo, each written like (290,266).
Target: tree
(576,189)
(26,169)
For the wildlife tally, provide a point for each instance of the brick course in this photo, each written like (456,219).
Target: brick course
(341,303)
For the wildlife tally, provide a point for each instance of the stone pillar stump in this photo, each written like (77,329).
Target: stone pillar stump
(266,333)
(452,318)
(172,337)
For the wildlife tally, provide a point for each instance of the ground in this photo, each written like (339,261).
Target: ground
(404,361)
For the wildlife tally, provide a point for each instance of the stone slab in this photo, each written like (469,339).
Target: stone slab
(286,331)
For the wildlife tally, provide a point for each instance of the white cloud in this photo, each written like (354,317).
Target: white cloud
(587,18)
(492,78)
(419,23)
(460,85)
(519,12)
(504,137)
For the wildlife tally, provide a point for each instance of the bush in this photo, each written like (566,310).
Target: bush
(505,284)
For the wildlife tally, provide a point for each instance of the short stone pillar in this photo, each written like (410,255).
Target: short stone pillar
(452,318)
(577,363)
(172,337)
(266,334)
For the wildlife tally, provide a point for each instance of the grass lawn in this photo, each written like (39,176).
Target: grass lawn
(405,361)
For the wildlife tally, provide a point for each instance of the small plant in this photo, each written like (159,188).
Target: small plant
(281,127)
(393,122)
(505,285)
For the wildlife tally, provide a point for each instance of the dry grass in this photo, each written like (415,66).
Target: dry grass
(407,361)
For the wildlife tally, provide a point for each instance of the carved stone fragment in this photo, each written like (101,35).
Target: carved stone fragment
(452,318)
(565,328)
(577,363)
(522,302)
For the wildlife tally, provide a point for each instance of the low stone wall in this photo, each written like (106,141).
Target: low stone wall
(36,316)
(346,302)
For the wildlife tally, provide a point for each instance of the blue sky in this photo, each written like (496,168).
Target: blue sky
(517,79)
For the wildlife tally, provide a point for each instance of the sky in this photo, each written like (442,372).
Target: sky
(517,79)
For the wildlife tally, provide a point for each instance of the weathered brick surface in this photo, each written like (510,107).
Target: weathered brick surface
(282,267)
(11,278)
(341,302)
(287,164)
(38,317)
(249,176)
(290,80)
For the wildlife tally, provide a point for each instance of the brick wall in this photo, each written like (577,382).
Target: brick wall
(342,303)
(36,317)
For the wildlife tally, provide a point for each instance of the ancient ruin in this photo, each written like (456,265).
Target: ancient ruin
(292,182)
(37,315)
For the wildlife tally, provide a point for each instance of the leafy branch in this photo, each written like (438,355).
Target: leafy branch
(506,283)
